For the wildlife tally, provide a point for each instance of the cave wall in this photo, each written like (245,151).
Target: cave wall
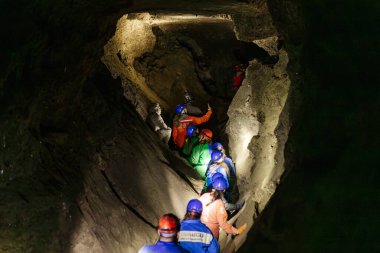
(154,63)
(257,130)
(328,195)
(259,123)
(48,99)
(72,145)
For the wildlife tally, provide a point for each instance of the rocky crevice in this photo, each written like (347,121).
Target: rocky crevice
(115,191)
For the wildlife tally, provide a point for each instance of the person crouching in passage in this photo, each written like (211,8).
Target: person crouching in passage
(195,236)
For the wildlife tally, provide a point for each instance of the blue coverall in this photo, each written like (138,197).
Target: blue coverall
(163,247)
(196,237)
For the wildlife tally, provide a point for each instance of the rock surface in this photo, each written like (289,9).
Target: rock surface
(80,171)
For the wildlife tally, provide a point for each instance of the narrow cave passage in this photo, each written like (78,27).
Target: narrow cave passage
(159,57)
(166,55)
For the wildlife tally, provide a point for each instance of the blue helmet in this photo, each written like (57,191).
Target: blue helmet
(191,130)
(217,175)
(194,206)
(217,146)
(216,155)
(179,108)
(219,184)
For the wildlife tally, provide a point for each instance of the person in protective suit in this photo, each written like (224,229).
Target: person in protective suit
(182,120)
(157,124)
(168,227)
(233,191)
(195,236)
(217,165)
(227,160)
(214,214)
(201,154)
(230,207)
(238,76)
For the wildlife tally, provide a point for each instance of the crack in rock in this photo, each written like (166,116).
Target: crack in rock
(110,184)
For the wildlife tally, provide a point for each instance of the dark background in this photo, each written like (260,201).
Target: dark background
(329,197)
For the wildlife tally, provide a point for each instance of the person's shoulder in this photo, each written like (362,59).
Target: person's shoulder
(227,158)
(224,165)
(184,222)
(205,196)
(219,202)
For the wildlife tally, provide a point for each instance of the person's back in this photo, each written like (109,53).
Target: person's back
(201,154)
(195,236)
(217,146)
(214,213)
(217,165)
(213,168)
(189,145)
(163,247)
(232,193)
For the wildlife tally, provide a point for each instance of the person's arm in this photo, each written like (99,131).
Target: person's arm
(203,119)
(193,110)
(221,217)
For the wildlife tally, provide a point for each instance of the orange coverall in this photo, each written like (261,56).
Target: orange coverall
(215,216)
(179,131)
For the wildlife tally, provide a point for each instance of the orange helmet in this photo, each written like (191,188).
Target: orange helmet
(207,133)
(168,225)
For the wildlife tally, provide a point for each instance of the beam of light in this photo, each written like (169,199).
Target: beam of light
(243,153)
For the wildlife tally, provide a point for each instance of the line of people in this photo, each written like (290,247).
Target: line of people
(199,230)
(207,158)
